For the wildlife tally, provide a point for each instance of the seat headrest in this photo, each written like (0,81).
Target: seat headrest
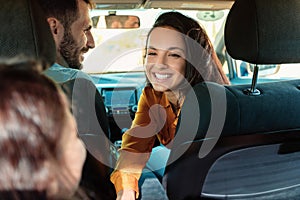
(25,31)
(264,31)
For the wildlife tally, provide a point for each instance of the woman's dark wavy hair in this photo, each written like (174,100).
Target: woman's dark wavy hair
(32,117)
(195,59)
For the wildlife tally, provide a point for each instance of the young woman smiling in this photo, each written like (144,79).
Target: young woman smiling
(178,55)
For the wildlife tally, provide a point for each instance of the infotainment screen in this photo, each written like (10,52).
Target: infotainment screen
(120,97)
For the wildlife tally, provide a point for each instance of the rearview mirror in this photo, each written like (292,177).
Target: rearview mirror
(116,21)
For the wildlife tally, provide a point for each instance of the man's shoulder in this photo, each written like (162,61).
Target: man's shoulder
(61,74)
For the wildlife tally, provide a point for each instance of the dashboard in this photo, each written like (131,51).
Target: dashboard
(121,100)
(120,93)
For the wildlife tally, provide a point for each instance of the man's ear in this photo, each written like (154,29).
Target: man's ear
(53,23)
(56,28)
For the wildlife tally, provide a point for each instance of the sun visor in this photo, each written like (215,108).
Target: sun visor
(264,31)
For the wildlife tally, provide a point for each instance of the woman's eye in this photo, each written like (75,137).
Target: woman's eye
(151,53)
(175,55)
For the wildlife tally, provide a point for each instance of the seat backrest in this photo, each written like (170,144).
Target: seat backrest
(231,145)
(219,143)
(25,31)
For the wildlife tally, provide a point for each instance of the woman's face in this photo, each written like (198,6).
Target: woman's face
(165,59)
(74,150)
(72,159)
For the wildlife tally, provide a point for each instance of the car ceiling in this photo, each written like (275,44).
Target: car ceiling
(165,4)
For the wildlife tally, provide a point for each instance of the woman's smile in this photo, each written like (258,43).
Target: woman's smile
(162,76)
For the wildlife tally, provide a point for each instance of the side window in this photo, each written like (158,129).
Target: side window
(239,71)
(245,69)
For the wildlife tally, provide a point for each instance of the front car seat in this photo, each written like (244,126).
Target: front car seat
(25,32)
(241,144)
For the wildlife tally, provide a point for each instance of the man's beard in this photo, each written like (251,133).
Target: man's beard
(69,51)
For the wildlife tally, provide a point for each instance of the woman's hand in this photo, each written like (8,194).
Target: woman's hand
(126,194)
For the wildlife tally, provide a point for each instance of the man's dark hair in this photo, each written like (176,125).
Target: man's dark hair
(66,11)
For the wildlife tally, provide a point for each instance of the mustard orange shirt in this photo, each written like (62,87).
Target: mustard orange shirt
(154,118)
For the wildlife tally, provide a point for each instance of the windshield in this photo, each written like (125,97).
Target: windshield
(121,50)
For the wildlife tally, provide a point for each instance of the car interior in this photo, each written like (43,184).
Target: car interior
(239,141)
